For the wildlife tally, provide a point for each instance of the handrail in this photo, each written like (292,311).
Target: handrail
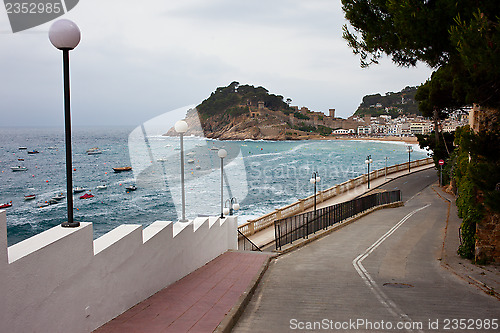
(245,238)
(263,222)
(292,228)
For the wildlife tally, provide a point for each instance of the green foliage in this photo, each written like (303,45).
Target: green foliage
(390,100)
(305,128)
(299,115)
(477,173)
(234,98)
(324,130)
(460,39)
(441,150)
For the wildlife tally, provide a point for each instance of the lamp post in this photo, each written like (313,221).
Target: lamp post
(181,127)
(222,153)
(65,36)
(409,149)
(233,206)
(314,180)
(386,168)
(368,161)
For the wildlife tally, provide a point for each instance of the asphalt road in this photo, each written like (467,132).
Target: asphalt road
(379,274)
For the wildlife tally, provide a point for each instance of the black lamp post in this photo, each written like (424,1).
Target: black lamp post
(222,153)
(65,35)
(181,127)
(368,161)
(409,149)
(314,180)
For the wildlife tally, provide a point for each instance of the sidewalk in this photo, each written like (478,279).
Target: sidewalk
(484,277)
(199,301)
(265,237)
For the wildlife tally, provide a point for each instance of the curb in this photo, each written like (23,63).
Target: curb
(231,318)
(450,267)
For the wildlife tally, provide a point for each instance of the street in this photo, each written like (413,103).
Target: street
(381,273)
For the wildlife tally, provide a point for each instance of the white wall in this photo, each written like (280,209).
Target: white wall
(63,281)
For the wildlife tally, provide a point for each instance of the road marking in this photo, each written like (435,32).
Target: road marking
(363,273)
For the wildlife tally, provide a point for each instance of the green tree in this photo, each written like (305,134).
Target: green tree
(460,39)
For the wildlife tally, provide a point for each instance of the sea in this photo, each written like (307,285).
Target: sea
(259,175)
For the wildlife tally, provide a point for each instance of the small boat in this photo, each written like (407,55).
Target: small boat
(51,148)
(87,196)
(29,197)
(177,148)
(6,205)
(121,169)
(58,197)
(131,188)
(42,204)
(102,187)
(33,152)
(79,189)
(53,202)
(20,159)
(198,167)
(94,151)
(192,153)
(161,160)
(214,148)
(169,145)
(190,161)
(23,148)
(18,168)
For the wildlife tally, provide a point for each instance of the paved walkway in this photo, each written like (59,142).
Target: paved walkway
(264,237)
(402,279)
(197,302)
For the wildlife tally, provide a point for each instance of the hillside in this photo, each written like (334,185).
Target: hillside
(393,104)
(239,112)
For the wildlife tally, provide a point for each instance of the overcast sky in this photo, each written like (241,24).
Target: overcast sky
(139,59)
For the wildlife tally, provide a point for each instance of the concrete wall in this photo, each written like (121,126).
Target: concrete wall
(62,281)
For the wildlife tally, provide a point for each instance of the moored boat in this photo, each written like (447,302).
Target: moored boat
(42,204)
(79,189)
(18,168)
(131,188)
(102,187)
(29,197)
(6,205)
(94,151)
(33,152)
(121,169)
(58,197)
(87,196)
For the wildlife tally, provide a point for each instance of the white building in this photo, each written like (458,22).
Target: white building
(364,130)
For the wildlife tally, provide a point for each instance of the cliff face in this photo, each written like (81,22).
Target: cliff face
(244,112)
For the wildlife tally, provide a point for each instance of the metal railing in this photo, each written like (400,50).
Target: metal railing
(267,220)
(246,244)
(292,228)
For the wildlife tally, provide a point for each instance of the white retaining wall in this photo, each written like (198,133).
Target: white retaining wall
(62,281)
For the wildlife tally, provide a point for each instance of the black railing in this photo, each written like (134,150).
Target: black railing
(246,244)
(292,228)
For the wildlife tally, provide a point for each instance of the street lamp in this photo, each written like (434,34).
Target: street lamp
(181,127)
(222,153)
(65,35)
(368,161)
(409,149)
(233,206)
(314,180)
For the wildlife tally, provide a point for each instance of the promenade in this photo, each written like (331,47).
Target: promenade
(412,276)
(265,238)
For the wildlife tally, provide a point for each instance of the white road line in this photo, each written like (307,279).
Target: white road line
(363,273)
